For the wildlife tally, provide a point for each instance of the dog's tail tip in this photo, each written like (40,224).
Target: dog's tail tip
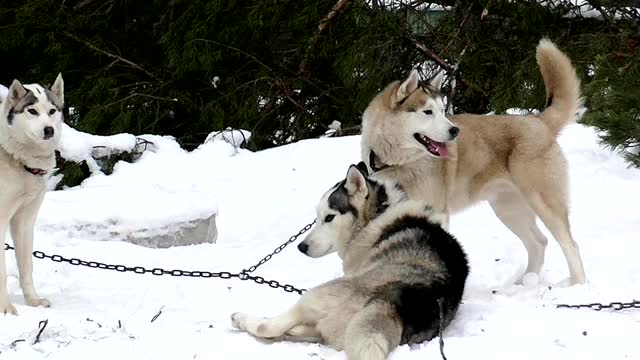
(546,43)
(562,85)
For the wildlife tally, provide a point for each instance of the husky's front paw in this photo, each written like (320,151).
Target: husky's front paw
(239,321)
(34,301)
(7,308)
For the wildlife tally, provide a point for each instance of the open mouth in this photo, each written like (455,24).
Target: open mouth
(435,148)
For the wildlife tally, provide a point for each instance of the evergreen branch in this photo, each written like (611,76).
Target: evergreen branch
(159,98)
(284,88)
(462,24)
(111,55)
(324,24)
(235,49)
(483,15)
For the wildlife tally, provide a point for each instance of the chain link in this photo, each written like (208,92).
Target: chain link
(279,248)
(244,275)
(635,304)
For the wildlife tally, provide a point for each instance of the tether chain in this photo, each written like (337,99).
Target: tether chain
(279,248)
(243,275)
(635,304)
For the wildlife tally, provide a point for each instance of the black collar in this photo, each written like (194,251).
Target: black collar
(372,162)
(36,172)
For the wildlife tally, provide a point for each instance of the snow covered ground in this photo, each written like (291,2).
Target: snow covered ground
(263,198)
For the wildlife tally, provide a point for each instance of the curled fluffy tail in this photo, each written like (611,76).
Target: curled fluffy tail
(562,84)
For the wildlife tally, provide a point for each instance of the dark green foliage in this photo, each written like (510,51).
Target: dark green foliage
(189,67)
(615,97)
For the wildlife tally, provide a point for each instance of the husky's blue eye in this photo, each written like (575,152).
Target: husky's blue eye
(428,112)
(33,112)
(329,218)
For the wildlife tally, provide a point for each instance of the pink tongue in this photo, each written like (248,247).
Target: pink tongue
(442,149)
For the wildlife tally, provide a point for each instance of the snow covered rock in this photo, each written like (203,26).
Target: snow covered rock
(190,232)
(147,202)
(151,216)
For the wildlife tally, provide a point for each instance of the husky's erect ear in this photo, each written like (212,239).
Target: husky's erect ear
(355,182)
(363,168)
(58,87)
(16,92)
(436,82)
(408,86)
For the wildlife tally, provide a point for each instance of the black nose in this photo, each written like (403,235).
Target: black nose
(303,247)
(48,132)
(454,131)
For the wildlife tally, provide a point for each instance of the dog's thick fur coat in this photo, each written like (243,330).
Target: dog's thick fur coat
(397,261)
(30,126)
(514,162)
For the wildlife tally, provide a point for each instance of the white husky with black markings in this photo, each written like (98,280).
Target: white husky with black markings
(400,268)
(30,127)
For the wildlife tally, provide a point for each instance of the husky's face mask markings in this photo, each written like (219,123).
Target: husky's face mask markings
(34,114)
(337,215)
(346,208)
(421,109)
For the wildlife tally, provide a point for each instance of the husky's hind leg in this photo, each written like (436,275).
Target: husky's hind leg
(512,209)
(307,333)
(547,193)
(372,333)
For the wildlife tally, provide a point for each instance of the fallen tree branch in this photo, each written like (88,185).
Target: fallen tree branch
(111,55)
(324,24)
(430,54)
(438,60)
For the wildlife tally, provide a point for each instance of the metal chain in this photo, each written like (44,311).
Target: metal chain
(279,248)
(635,304)
(243,275)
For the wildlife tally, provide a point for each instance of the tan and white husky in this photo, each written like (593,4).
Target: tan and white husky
(514,162)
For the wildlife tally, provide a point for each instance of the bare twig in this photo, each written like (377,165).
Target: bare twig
(155,317)
(111,55)
(91,320)
(15,343)
(42,325)
(324,24)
